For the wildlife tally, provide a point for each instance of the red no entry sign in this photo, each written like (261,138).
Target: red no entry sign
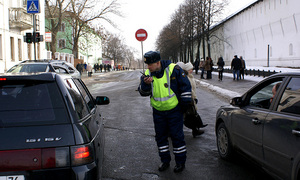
(141,35)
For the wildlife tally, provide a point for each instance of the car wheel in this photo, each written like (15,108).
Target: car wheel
(224,145)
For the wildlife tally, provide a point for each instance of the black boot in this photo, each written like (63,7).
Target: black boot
(197,132)
(163,166)
(179,168)
(203,125)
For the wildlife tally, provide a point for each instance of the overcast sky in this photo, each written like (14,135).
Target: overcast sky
(152,15)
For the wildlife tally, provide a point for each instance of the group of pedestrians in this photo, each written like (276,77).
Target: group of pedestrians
(205,66)
(102,67)
(238,67)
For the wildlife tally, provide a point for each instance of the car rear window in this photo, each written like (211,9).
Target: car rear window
(31,68)
(24,103)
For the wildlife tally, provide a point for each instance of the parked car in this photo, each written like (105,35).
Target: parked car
(71,69)
(50,128)
(264,125)
(57,66)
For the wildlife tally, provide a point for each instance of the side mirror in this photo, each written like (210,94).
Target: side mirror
(102,100)
(237,101)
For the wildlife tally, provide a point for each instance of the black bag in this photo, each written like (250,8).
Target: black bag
(192,119)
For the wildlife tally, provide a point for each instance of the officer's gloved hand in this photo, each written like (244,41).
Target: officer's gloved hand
(185,107)
(196,101)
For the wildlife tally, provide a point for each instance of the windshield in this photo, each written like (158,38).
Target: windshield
(31,103)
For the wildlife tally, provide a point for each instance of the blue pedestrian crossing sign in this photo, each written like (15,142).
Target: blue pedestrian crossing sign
(33,6)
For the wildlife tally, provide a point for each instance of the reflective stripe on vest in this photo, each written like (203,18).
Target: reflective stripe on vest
(163,98)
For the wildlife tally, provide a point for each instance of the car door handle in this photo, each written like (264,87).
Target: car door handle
(296,132)
(256,121)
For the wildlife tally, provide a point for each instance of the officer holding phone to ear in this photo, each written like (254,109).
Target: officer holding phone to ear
(170,96)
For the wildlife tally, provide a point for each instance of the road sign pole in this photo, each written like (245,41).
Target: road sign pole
(143,57)
(34,46)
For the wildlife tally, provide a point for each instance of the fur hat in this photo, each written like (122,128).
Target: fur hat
(188,66)
(181,64)
(152,57)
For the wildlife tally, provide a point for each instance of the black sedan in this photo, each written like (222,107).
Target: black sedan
(264,124)
(50,128)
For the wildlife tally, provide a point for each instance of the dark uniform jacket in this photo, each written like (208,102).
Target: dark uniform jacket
(179,83)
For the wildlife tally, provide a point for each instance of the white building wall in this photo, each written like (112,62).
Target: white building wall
(7,34)
(269,22)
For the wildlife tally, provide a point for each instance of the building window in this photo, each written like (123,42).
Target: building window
(1,56)
(291,49)
(62,27)
(12,49)
(61,43)
(20,49)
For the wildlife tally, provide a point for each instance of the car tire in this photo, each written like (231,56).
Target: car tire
(224,145)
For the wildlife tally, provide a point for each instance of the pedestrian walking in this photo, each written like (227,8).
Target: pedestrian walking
(79,67)
(192,119)
(170,96)
(208,64)
(220,64)
(242,72)
(201,65)
(236,66)
(196,65)
(89,69)
(101,67)
(104,67)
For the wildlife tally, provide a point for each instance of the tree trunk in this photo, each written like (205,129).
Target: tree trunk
(203,47)
(75,49)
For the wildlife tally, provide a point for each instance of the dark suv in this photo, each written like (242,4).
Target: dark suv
(50,128)
(264,124)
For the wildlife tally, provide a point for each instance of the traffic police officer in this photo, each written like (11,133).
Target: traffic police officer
(170,95)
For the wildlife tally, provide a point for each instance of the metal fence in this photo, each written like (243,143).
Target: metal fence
(253,72)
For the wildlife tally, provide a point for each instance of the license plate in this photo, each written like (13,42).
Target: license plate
(12,177)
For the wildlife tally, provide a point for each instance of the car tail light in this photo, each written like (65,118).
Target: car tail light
(2,79)
(19,160)
(55,157)
(81,155)
(34,159)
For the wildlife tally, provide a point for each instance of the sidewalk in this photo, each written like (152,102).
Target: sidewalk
(227,88)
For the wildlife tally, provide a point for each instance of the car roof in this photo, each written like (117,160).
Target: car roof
(42,76)
(286,74)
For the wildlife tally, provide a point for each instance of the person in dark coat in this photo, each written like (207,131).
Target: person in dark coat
(236,65)
(101,67)
(242,73)
(79,67)
(196,65)
(220,64)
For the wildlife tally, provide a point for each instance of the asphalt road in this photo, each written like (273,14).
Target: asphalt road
(130,149)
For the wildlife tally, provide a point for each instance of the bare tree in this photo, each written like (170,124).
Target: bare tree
(83,12)
(54,11)
(191,25)
(113,48)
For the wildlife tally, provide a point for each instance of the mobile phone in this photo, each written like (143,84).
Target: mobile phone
(144,74)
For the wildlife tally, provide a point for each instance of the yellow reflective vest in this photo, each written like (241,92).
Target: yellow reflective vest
(163,98)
